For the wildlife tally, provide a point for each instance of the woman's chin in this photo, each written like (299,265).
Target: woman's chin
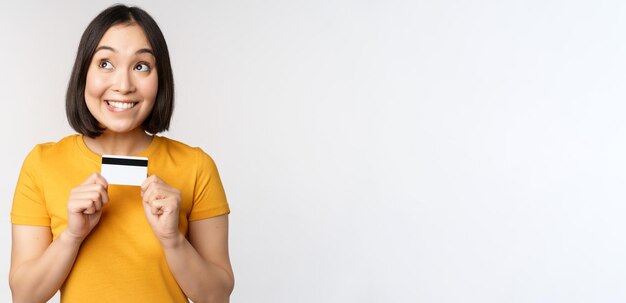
(120,129)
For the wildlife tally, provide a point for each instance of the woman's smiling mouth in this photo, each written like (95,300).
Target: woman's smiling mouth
(118,106)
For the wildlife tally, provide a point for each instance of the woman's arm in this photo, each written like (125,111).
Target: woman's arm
(39,265)
(201,265)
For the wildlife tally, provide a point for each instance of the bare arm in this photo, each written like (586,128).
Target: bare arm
(39,265)
(201,265)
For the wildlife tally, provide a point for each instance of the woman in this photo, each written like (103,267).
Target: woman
(165,241)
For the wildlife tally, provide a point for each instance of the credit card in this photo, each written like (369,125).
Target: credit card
(124,170)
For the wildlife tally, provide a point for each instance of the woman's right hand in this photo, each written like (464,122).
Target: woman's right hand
(85,205)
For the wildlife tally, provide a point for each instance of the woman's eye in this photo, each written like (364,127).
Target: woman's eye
(142,67)
(105,64)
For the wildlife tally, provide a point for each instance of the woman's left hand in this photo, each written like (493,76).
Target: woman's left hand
(161,204)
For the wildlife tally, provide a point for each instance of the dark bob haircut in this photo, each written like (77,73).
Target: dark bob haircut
(76,109)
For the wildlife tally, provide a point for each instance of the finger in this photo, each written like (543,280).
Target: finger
(151,193)
(88,195)
(91,179)
(166,205)
(101,180)
(156,210)
(148,207)
(147,181)
(158,207)
(96,178)
(103,191)
(97,204)
(158,192)
(153,179)
(90,210)
(81,206)
(105,197)
(90,188)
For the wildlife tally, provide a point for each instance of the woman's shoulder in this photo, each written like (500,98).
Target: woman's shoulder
(52,151)
(62,145)
(181,155)
(180,149)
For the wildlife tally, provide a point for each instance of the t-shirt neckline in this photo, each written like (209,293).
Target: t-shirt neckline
(98,158)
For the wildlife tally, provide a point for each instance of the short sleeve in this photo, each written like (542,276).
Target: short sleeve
(209,199)
(29,207)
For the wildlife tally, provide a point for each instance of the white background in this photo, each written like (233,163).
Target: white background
(378,151)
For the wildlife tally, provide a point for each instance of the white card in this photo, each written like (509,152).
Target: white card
(124,170)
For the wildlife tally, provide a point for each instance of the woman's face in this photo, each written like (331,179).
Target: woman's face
(122,80)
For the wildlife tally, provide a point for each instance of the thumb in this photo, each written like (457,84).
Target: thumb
(92,179)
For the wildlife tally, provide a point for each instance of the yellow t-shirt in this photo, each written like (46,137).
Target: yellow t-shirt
(121,260)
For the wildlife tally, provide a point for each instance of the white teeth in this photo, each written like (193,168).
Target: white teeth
(122,105)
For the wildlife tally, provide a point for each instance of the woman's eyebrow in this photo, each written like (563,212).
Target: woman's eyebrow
(140,51)
(104,47)
(145,50)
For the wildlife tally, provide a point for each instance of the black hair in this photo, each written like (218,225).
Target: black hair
(78,114)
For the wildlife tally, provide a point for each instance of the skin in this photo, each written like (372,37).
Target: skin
(123,69)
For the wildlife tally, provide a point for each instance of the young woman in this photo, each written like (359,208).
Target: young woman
(165,241)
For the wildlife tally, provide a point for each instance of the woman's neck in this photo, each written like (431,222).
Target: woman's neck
(123,144)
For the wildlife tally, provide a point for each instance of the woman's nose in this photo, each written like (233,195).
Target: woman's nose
(123,82)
